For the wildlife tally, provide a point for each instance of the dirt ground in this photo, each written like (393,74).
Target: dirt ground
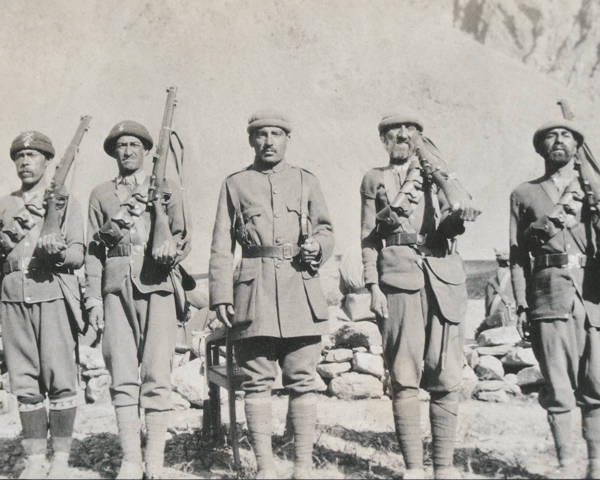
(355,440)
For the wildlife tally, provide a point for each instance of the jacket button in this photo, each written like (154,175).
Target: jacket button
(276,215)
(275,192)
(278,240)
(27,299)
(279,265)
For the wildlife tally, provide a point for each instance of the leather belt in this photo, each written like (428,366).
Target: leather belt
(405,239)
(127,249)
(287,251)
(560,260)
(26,264)
(22,264)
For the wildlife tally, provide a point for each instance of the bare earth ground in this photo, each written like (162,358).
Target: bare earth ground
(355,440)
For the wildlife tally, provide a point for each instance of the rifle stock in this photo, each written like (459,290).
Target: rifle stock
(159,193)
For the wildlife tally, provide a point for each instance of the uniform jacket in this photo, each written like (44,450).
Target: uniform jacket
(549,292)
(106,274)
(271,296)
(39,284)
(407,267)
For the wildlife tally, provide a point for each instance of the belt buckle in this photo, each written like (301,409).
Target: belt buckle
(287,251)
(574,261)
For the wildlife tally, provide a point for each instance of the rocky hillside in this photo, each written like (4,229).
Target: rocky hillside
(558,37)
(336,66)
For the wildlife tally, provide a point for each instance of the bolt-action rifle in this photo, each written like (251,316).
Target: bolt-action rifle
(55,201)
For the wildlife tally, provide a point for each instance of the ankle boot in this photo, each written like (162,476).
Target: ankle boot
(129,425)
(303,418)
(258,418)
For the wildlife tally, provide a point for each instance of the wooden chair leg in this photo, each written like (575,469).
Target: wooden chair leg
(235,446)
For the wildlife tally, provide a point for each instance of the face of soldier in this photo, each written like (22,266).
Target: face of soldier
(31,166)
(269,144)
(130,153)
(400,142)
(560,146)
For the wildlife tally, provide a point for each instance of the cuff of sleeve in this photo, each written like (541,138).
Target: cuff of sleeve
(91,302)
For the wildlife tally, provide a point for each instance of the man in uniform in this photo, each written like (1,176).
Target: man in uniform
(557,293)
(418,291)
(130,296)
(39,339)
(275,307)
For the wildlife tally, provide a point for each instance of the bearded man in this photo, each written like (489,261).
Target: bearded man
(557,293)
(418,291)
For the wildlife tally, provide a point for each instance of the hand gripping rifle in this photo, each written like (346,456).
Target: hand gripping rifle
(55,201)
(159,192)
(56,196)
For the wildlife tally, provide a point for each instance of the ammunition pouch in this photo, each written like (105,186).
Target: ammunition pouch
(540,231)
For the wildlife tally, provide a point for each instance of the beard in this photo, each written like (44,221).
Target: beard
(559,157)
(400,152)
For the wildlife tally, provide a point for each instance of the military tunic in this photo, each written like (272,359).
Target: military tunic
(272,297)
(137,293)
(563,301)
(38,333)
(424,285)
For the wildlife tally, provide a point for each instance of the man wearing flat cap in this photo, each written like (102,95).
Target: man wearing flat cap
(554,277)
(417,285)
(130,297)
(274,307)
(39,339)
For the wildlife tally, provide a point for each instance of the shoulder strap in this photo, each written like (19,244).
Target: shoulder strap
(304,190)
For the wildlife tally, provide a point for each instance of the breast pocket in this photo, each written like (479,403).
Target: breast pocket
(252,216)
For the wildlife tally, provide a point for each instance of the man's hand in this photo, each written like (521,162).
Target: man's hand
(165,254)
(467,211)
(96,318)
(309,250)
(379,305)
(225,312)
(53,245)
(523,326)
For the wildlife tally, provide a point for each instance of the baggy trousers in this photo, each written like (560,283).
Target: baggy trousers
(39,346)
(138,346)
(413,347)
(298,357)
(569,355)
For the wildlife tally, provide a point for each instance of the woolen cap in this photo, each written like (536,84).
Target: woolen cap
(268,118)
(34,140)
(129,128)
(501,254)
(560,123)
(392,119)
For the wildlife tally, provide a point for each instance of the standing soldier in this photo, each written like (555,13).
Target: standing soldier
(39,340)
(130,296)
(418,290)
(275,307)
(557,292)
